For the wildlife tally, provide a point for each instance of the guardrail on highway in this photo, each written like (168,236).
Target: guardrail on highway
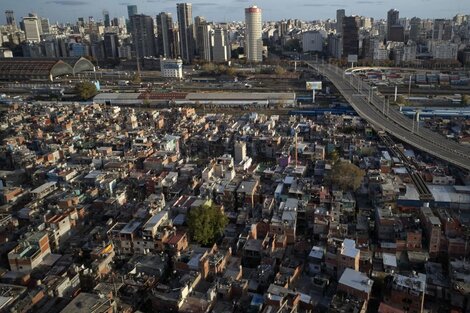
(372,107)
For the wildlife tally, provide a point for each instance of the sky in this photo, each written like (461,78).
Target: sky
(232,10)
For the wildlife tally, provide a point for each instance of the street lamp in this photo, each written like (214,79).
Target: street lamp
(371,93)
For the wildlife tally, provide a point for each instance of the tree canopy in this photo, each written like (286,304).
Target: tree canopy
(279,70)
(136,79)
(466,99)
(231,71)
(346,176)
(206,223)
(85,90)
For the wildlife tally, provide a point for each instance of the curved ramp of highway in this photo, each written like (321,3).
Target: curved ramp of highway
(373,109)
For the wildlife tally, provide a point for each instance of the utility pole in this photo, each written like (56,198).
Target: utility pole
(409,88)
(417,122)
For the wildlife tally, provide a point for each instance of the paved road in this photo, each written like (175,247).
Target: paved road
(389,119)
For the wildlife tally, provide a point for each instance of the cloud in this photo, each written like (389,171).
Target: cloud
(68,2)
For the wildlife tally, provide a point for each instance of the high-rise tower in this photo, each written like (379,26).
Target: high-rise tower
(340,14)
(351,35)
(143,35)
(10,17)
(131,11)
(165,36)
(221,50)
(106,19)
(393,18)
(253,34)
(186,31)
(199,22)
(111,44)
(415,29)
(32,28)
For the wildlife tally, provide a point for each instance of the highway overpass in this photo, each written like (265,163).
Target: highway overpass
(373,108)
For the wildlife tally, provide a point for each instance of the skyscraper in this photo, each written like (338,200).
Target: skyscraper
(111,44)
(143,35)
(186,31)
(351,35)
(45,27)
(221,49)
(32,28)
(415,29)
(199,21)
(107,20)
(205,48)
(253,34)
(131,11)
(397,33)
(393,18)
(81,22)
(10,17)
(165,37)
(340,14)
(442,29)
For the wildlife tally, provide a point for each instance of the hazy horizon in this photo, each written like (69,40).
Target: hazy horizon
(232,10)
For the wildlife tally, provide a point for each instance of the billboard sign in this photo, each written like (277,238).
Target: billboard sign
(314,85)
(352,58)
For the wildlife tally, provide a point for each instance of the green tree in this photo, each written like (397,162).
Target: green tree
(136,79)
(222,69)
(368,151)
(279,70)
(466,100)
(333,155)
(230,71)
(209,68)
(346,176)
(402,101)
(85,90)
(206,223)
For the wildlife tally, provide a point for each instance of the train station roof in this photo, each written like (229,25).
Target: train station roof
(42,68)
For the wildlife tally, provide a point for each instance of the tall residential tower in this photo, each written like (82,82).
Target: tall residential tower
(393,18)
(32,28)
(165,36)
(350,36)
(131,11)
(221,51)
(340,14)
(143,35)
(186,31)
(253,34)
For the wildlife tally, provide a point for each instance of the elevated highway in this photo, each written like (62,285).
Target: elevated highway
(374,109)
